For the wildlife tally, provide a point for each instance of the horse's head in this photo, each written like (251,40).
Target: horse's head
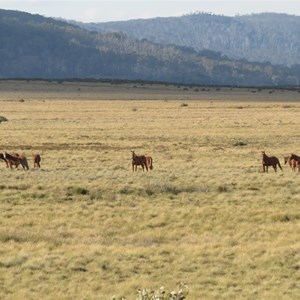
(133,154)
(286,159)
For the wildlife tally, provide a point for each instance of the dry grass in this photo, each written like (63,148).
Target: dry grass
(85,226)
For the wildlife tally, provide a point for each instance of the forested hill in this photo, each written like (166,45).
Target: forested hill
(32,46)
(260,37)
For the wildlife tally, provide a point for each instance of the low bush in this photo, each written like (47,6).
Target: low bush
(3,119)
(149,294)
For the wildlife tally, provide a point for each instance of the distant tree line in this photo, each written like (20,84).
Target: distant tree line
(259,37)
(32,46)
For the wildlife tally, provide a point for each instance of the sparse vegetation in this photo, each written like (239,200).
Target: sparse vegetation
(184,105)
(3,119)
(240,144)
(85,226)
(149,294)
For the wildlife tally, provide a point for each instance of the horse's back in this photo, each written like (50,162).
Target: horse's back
(275,158)
(270,160)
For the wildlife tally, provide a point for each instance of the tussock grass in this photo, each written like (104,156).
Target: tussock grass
(85,226)
(3,119)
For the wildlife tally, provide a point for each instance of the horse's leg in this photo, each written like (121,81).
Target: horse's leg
(132,167)
(23,164)
(275,168)
(6,163)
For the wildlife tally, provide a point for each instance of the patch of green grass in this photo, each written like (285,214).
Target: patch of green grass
(286,217)
(77,191)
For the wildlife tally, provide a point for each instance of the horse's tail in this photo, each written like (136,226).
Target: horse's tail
(150,163)
(279,165)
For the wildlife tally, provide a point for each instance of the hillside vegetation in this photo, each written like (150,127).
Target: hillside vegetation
(32,46)
(266,37)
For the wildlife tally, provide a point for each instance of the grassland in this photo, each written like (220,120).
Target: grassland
(85,226)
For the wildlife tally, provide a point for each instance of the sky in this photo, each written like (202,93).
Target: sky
(117,10)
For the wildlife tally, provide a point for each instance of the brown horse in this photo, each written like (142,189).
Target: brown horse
(149,162)
(296,158)
(24,162)
(36,158)
(139,161)
(270,161)
(3,158)
(292,162)
(16,160)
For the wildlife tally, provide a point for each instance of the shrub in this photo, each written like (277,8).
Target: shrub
(222,189)
(77,191)
(81,191)
(239,144)
(184,104)
(152,189)
(149,294)
(3,119)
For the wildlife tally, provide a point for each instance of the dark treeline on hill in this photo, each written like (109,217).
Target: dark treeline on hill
(259,37)
(32,46)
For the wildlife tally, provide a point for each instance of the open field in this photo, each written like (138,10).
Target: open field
(85,226)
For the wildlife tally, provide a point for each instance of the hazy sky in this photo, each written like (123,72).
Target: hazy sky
(102,11)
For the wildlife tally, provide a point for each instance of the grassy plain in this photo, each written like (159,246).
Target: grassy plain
(85,226)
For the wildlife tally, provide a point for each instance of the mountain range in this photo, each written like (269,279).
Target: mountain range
(32,46)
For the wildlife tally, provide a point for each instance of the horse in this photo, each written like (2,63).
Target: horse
(16,160)
(3,158)
(270,161)
(138,161)
(36,158)
(296,158)
(292,162)
(149,162)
